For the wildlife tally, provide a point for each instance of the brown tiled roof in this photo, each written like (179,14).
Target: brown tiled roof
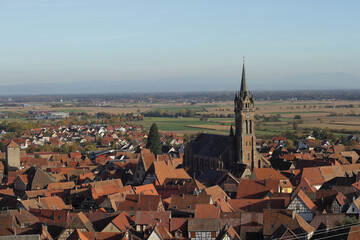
(7,191)
(203,225)
(147,189)
(273,218)
(80,222)
(256,188)
(305,183)
(178,223)
(151,218)
(122,222)
(206,211)
(165,171)
(148,158)
(306,200)
(140,202)
(13,144)
(6,223)
(53,202)
(41,179)
(61,186)
(117,183)
(313,175)
(77,235)
(182,203)
(24,217)
(341,199)
(256,205)
(267,173)
(216,193)
(103,235)
(301,223)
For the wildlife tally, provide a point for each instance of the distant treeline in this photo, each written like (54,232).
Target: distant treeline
(181,97)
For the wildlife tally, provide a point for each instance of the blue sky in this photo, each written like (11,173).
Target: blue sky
(71,40)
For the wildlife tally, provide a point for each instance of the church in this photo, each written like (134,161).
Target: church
(235,152)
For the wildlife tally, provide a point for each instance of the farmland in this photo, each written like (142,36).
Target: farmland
(273,117)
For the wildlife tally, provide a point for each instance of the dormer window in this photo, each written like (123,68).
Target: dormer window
(188,207)
(174,207)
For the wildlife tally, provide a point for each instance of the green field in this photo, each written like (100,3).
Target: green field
(177,124)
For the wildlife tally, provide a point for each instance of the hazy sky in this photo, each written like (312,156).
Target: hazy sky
(71,40)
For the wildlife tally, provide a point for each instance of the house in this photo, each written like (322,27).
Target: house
(266,173)
(146,219)
(203,228)
(185,205)
(339,204)
(305,186)
(163,172)
(228,233)
(354,208)
(294,228)
(160,233)
(53,202)
(256,188)
(134,203)
(274,218)
(303,206)
(118,224)
(145,161)
(80,223)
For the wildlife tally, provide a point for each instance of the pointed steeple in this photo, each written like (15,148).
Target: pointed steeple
(231,131)
(243,79)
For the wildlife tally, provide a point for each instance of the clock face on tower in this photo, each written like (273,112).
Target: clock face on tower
(247,115)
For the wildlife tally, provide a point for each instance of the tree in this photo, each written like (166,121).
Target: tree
(153,141)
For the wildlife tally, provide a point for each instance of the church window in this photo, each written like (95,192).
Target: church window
(250,127)
(246,126)
(248,157)
(246,143)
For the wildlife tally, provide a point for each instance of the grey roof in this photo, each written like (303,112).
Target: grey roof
(210,145)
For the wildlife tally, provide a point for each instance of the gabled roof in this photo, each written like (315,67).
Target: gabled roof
(60,186)
(41,179)
(273,218)
(147,189)
(162,232)
(13,144)
(216,193)
(256,205)
(306,200)
(80,222)
(165,172)
(121,221)
(341,199)
(313,175)
(206,211)
(77,235)
(152,218)
(267,173)
(302,224)
(182,203)
(305,184)
(256,188)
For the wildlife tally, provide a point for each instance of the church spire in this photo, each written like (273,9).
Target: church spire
(231,131)
(244,87)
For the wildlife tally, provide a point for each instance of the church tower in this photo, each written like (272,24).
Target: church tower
(245,140)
